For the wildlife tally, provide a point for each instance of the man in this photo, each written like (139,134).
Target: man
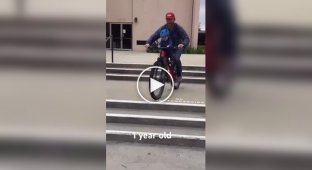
(179,38)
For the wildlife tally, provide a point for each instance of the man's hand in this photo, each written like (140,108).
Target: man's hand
(147,45)
(180,46)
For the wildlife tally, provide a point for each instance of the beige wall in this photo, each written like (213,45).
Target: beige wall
(249,11)
(77,9)
(119,11)
(151,15)
(275,12)
(195,25)
(7,8)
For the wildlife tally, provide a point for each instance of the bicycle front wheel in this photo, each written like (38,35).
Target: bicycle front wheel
(158,75)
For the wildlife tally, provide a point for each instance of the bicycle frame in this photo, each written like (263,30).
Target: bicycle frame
(168,62)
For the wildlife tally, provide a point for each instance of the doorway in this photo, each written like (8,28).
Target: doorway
(122,35)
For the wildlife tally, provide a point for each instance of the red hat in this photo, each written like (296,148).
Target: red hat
(170,15)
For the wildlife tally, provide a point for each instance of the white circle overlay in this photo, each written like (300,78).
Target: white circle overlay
(172,86)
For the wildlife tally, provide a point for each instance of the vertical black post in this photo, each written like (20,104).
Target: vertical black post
(112,44)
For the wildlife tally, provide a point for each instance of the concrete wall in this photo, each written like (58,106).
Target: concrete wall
(72,9)
(7,8)
(151,15)
(195,25)
(119,10)
(250,11)
(275,12)
(77,9)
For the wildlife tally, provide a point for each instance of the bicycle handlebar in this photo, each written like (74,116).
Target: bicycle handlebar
(162,48)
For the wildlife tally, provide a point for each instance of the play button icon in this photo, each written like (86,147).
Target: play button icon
(154,85)
(148,86)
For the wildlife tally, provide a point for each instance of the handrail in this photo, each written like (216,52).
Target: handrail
(111,38)
(108,38)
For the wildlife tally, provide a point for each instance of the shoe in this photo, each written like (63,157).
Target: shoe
(177,82)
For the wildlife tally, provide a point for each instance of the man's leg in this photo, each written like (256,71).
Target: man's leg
(177,55)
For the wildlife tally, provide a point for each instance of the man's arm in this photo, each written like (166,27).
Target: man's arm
(170,43)
(154,37)
(185,38)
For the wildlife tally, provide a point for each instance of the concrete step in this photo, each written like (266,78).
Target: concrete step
(124,104)
(249,66)
(65,53)
(126,92)
(47,57)
(275,30)
(195,131)
(144,66)
(276,67)
(149,119)
(156,112)
(178,136)
(53,37)
(126,120)
(281,45)
(134,77)
(188,73)
(56,33)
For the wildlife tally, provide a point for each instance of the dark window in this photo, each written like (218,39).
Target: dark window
(127,36)
(107,35)
(116,32)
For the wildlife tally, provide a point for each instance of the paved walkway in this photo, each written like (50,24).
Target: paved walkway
(255,61)
(134,57)
(122,156)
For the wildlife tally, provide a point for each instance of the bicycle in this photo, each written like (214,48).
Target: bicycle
(165,61)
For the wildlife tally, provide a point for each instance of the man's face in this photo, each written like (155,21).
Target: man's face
(170,22)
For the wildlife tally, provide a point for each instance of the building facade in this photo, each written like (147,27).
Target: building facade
(131,22)
(67,9)
(135,20)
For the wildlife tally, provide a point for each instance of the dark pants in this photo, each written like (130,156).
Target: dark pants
(176,57)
